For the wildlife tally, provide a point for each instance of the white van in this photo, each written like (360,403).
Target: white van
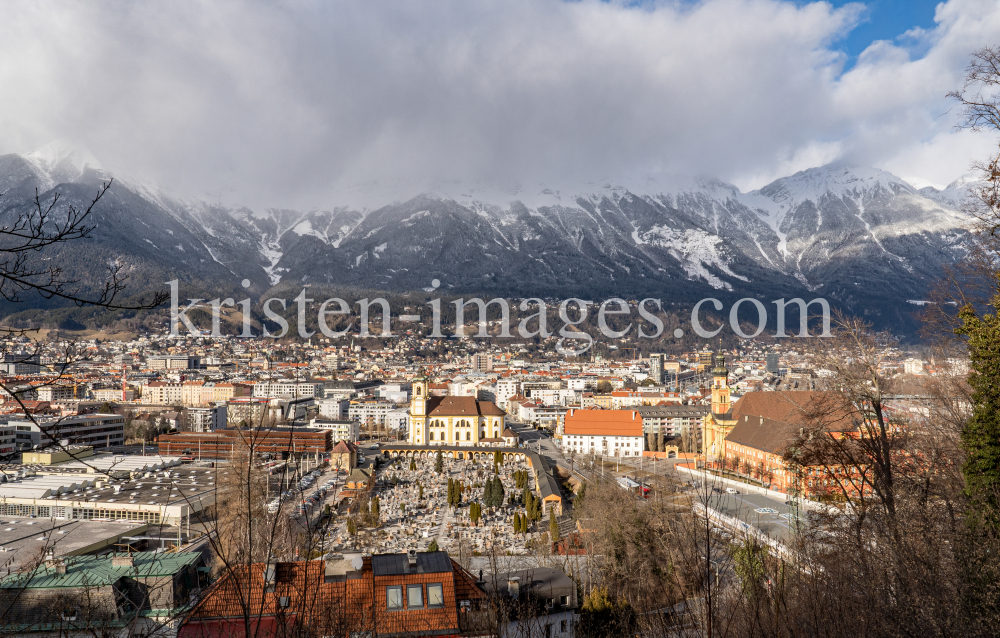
(730,490)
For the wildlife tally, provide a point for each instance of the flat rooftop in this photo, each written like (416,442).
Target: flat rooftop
(173,485)
(99,464)
(23,541)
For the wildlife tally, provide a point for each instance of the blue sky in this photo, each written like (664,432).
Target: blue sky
(885,20)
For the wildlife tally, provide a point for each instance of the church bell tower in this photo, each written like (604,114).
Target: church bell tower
(418,410)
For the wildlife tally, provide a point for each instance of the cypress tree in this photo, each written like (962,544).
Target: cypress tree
(553,527)
(375,509)
(413,465)
(439,463)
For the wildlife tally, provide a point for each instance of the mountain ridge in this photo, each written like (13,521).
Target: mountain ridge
(861,236)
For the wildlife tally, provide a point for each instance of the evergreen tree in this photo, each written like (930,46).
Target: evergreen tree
(553,527)
(413,465)
(420,487)
(439,463)
(433,547)
(375,510)
(352,529)
(981,435)
(498,493)
(536,508)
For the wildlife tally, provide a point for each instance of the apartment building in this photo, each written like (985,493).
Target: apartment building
(207,419)
(287,389)
(163,393)
(605,432)
(58,393)
(672,420)
(371,412)
(340,429)
(172,362)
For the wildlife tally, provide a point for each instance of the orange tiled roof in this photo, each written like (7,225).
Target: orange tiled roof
(603,423)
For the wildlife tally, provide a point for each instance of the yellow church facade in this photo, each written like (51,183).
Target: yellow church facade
(720,420)
(462,421)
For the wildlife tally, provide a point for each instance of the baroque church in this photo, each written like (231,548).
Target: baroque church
(720,420)
(462,421)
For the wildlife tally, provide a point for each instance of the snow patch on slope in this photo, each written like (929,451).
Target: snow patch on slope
(696,250)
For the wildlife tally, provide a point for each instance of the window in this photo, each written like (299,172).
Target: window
(435,595)
(394,598)
(468,436)
(414,596)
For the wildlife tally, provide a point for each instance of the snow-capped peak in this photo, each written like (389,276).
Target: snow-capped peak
(831,180)
(62,155)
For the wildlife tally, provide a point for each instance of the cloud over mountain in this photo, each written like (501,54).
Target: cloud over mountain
(296,103)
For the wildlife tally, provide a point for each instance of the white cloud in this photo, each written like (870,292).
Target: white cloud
(290,103)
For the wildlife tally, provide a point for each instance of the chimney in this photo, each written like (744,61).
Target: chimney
(514,586)
(61,568)
(269,575)
(411,557)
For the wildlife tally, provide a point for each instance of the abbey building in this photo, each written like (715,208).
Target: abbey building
(451,420)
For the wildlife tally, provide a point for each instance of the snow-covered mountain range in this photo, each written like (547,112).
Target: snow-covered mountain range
(858,236)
